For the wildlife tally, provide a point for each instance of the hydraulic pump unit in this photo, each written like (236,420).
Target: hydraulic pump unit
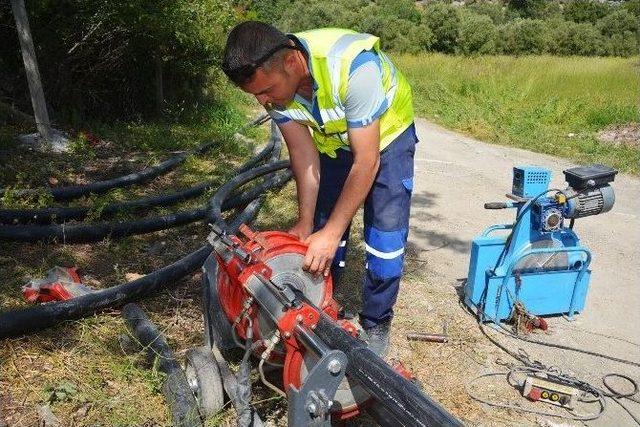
(541,263)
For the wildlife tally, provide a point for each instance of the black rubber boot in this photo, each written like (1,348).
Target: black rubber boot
(378,338)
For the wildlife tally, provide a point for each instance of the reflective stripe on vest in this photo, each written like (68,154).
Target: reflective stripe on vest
(331,53)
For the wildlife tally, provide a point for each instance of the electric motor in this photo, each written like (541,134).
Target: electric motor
(589,192)
(592,201)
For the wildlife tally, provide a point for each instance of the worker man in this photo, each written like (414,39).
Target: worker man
(345,112)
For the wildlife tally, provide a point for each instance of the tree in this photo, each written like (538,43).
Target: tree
(527,8)
(522,37)
(618,22)
(477,35)
(577,39)
(586,10)
(443,20)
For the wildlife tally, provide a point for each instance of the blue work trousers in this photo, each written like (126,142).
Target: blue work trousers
(386,222)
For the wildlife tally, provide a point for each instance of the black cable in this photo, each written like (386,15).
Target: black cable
(522,357)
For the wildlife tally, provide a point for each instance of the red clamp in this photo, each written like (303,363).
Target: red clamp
(60,284)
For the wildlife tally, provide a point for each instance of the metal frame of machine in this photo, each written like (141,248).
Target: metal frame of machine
(541,262)
(255,288)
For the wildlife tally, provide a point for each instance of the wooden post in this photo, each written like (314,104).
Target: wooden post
(31,69)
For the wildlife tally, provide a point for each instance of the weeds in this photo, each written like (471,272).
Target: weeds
(551,105)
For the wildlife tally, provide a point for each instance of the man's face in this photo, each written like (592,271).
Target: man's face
(276,86)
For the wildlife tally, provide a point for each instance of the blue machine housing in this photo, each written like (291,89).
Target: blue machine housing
(540,263)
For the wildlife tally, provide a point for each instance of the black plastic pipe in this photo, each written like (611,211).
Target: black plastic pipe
(39,317)
(175,388)
(62,214)
(36,318)
(225,190)
(401,398)
(86,233)
(99,187)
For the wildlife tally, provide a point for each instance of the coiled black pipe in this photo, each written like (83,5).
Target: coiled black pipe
(62,214)
(175,387)
(36,318)
(86,233)
(39,317)
(76,191)
(215,205)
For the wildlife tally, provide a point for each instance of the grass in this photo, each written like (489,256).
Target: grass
(79,367)
(552,105)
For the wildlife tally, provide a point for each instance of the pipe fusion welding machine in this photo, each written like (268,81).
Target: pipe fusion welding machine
(540,264)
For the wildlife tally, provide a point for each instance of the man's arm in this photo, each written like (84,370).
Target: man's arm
(305,163)
(365,145)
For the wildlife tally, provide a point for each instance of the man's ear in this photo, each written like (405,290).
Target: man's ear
(290,61)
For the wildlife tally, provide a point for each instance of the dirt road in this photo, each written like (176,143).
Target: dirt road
(455,175)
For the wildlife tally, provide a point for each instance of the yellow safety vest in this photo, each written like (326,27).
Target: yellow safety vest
(331,52)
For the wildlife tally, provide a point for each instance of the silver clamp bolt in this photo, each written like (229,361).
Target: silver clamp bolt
(334,367)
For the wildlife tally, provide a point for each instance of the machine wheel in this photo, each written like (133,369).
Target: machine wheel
(205,380)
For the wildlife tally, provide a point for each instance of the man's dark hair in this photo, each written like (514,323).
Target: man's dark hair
(247,43)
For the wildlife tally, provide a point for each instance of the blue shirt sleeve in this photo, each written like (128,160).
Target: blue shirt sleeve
(365,100)
(278,117)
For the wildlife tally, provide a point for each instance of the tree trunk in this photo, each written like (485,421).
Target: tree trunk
(31,69)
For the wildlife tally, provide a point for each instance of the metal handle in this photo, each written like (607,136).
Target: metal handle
(495,227)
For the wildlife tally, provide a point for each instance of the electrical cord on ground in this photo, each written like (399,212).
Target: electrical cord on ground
(505,331)
(553,373)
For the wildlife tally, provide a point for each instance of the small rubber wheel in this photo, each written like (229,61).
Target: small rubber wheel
(205,380)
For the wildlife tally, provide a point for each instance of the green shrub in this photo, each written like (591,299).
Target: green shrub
(99,58)
(622,44)
(477,35)
(309,14)
(633,6)
(571,38)
(495,11)
(618,22)
(522,37)
(527,8)
(444,21)
(586,10)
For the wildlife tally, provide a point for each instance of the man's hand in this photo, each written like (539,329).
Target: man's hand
(322,248)
(302,230)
